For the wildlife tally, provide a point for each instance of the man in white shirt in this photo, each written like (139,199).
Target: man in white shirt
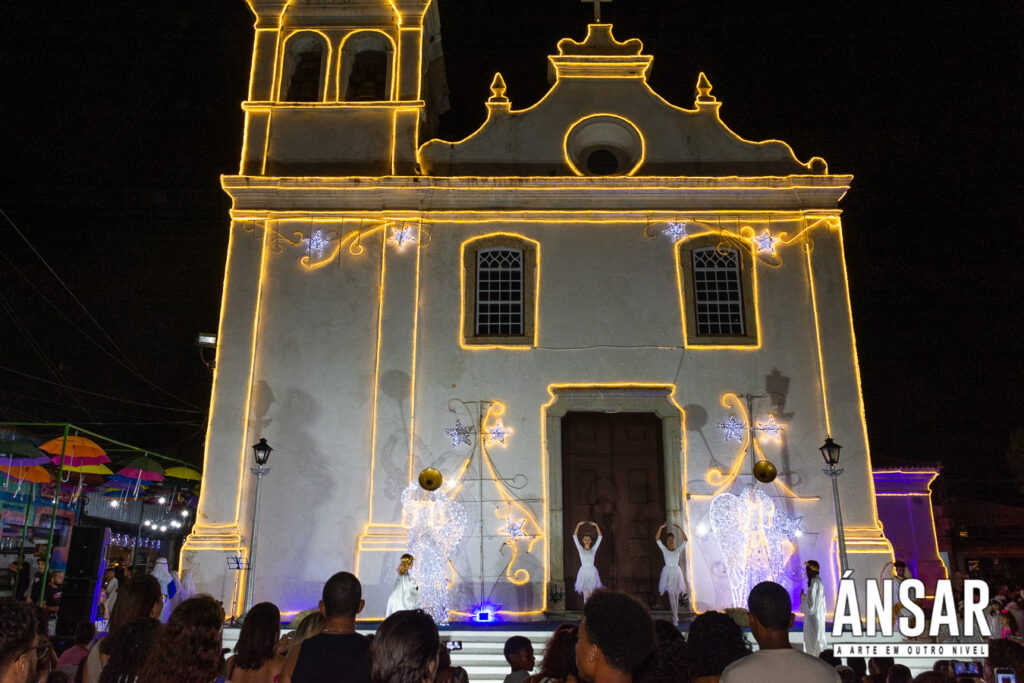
(812,604)
(771,617)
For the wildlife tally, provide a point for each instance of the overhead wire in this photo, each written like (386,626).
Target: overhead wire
(97,394)
(127,361)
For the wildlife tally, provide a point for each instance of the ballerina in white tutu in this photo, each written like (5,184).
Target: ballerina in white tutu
(406,595)
(587,580)
(671,581)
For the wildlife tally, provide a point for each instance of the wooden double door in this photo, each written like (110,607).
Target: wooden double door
(613,472)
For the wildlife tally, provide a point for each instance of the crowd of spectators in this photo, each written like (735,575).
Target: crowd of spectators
(617,641)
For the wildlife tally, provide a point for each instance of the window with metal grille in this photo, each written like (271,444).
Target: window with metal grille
(718,296)
(499,292)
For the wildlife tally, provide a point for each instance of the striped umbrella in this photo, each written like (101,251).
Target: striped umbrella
(77,451)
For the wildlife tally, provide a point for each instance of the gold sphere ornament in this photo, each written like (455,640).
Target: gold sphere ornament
(764,472)
(430,479)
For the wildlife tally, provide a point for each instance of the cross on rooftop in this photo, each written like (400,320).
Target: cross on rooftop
(597,9)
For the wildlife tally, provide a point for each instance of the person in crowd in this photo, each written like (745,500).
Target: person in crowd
(878,668)
(671,580)
(37,581)
(108,596)
(405,649)
(587,578)
(615,637)
(46,656)
(992,616)
(405,595)
(519,655)
(1004,654)
(446,673)
(21,578)
(188,648)
(138,597)
(1014,608)
(900,575)
(829,657)
(337,647)
(667,664)
(714,642)
(1007,625)
(18,642)
(129,649)
(859,666)
(307,627)
(934,677)
(51,596)
(899,673)
(85,631)
(847,675)
(812,604)
(770,615)
(559,662)
(256,658)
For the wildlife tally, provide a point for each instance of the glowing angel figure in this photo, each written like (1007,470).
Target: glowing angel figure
(436,524)
(750,531)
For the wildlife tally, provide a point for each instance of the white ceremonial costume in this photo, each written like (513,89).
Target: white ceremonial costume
(405,595)
(170,588)
(671,580)
(587,580)
(812,604)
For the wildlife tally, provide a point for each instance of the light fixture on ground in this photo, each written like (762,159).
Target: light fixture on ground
(830,452)
(261,451)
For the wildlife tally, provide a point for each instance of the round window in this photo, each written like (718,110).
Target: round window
(604,145)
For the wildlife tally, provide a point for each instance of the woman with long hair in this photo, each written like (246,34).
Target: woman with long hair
(256,658)
(187,649)
(405,649)
(405,594)
(559,663)
(129,647)
(137,597)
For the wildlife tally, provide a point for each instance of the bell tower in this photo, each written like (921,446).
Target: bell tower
(341,87)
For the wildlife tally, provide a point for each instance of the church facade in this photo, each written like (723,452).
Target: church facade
(602,308)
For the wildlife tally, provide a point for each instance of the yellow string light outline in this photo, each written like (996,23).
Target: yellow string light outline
(630,124)
(415,340)
(462,295)
(325,69)
(714,475)
(393,85)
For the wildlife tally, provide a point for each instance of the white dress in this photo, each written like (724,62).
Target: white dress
(404,596)
(812,604)
(671,580)
(587,580)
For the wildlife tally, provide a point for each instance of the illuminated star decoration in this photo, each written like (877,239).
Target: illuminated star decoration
(513,529)
(497,432)
(403,234)
(317,243)
(765,242)
(733,428)
(676,230)
(771,428)
(460,434)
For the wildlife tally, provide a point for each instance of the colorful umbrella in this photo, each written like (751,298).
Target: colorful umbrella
(183,473)
(17,450)
(142,468)
(77,451)
(34,474)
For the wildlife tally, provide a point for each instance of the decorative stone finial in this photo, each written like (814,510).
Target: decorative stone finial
(704,90)
(498,90)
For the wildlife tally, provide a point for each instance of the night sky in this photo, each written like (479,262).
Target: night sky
(117,119)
